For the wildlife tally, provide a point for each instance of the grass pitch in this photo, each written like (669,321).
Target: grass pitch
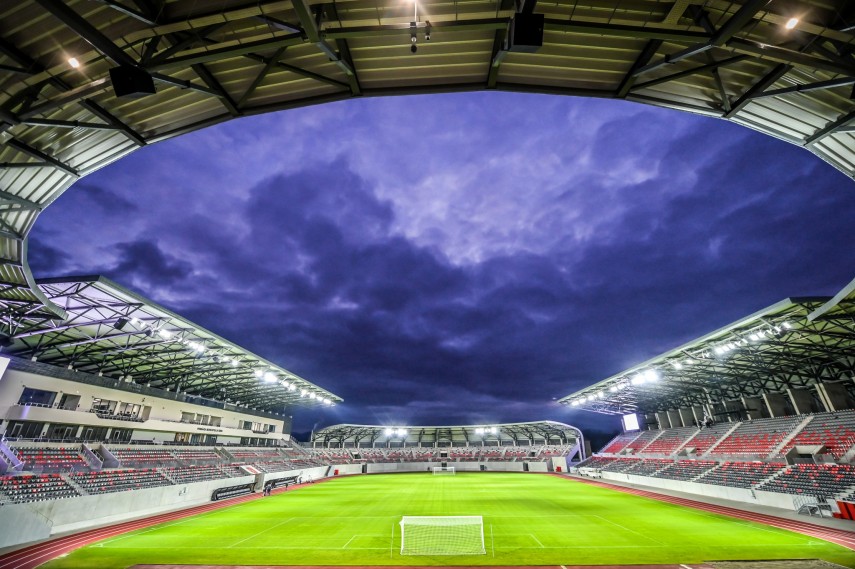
(528,520)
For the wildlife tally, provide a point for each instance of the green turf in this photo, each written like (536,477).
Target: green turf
(528,520)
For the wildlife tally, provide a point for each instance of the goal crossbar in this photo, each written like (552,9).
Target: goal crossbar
(443,470)
(442,535)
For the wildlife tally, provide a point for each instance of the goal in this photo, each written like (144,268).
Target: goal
(443,470)
(442,535)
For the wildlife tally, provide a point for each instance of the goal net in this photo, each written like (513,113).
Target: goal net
(443,470)
(442,535)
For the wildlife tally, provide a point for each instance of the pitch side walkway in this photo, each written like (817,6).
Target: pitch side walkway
(846,538)
(421,567)
(42,552)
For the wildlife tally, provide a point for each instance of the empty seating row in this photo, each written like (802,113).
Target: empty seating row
(741,474)
(686,469)
(107,481)
(50,459)
(813,480)
(186,475)
(670,440)
(835,431)
(756,438)
(35,488)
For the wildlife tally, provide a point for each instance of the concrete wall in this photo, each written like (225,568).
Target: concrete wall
(746,495)
(389,467)
(164,416)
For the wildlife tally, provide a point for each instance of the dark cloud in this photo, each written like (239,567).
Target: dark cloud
(422,302)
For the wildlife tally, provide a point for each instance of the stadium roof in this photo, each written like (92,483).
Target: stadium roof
(60,118)
(113,331)
(475,434)
(791,344)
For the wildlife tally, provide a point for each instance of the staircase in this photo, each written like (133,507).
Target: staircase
(684,443)
(167,475)
(799,428)
(849,456)
(702,474)
(722,438)
(77,487)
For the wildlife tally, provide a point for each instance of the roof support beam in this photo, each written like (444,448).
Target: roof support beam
(39,155)
(311,29)
(643,59)
(111,119)
(205,74)
(69,124)
(87,31)
(807,87)
(788,56)
(764,83)
(260,77)
(830,128)
(128,11)
(233,50)
(498,56)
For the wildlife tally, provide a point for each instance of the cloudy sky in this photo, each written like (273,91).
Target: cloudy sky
(460,258)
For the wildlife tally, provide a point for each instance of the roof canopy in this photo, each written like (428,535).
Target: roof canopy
(60,118)
(117,333)
(533,432)
(790,344)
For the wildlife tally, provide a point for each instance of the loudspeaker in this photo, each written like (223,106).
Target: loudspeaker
(525,33)
(131,81)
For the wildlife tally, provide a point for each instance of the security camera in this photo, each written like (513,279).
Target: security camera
(414,48)
(413,39)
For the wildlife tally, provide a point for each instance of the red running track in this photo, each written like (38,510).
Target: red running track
(838,536)
(34,555)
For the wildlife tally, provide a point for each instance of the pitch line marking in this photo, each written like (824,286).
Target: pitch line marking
(535,539)
(685,566)
(627,529)
(349,540)
(259,533)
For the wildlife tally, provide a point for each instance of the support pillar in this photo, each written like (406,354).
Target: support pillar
(662,420)
(753,407)
(674,418)
(776,404)
(803,401)
(687,418)
(834,396)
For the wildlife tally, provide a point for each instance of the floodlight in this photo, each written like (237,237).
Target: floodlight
(651,375)
(791,23)
(389,432)
(234,362)
(312,396)
(787,325)
(302,393)
(135,320)
(493,430)
(637,379)
(677,365)
(402,433)
(165,334)
(754,337)
(258,373)
(690,361)
(479,431)
(292,387)
(72,61)
(269,377)
(613,388)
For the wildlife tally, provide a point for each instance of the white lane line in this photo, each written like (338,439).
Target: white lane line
(535,539)
(261,532)
(685,566)
(348,542)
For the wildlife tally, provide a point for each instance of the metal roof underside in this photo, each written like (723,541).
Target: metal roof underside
(215,61)
(114,332)
(790,344)
(535,430)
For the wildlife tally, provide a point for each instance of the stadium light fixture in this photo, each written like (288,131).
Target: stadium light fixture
(73,62)
(389,432)
(269,377)
(302,393)
(791,23)
(258,373)
(165,334)
(652,375)
(234,362)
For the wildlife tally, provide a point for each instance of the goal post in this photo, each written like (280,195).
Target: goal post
(442,535)
(443,470)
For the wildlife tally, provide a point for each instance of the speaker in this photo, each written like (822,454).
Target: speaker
(525,33)
(131,81)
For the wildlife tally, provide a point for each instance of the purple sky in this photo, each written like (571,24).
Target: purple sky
(462,258)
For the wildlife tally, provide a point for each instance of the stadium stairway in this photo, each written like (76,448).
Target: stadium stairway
(77,487)
(720,440)
(793,434)
(166,474)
